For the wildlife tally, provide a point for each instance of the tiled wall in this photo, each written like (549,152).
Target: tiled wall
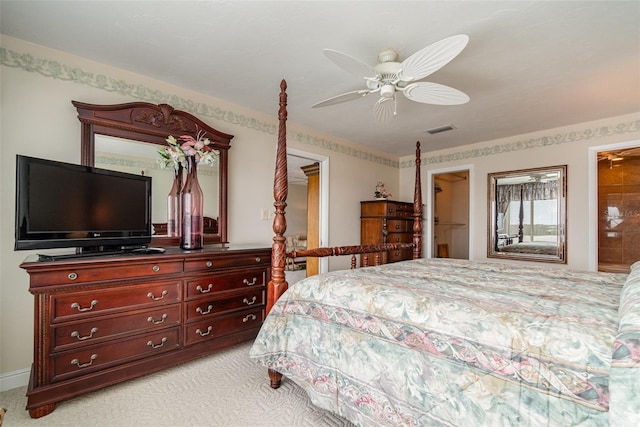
(619,213)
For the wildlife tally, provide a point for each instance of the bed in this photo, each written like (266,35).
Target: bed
(450,342)
(538,248)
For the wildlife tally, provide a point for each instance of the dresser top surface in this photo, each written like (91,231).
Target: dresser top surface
(170,253)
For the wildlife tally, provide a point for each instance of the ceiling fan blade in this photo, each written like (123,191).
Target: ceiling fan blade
(351,64)
(432,58)
(344,97)
(384,109)
(434,93)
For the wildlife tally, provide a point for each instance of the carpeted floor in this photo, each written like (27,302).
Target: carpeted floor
(226,389)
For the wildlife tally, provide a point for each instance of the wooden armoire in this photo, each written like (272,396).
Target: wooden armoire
(386,221)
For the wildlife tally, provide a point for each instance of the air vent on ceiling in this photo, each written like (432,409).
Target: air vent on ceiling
(440,129)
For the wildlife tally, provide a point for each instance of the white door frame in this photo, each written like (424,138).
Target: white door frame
(323,203)
(592,182)
(428,248)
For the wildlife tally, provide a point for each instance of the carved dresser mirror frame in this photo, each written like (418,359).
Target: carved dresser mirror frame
(510,235)
(153,123)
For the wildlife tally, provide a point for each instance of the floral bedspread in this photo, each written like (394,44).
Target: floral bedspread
(443,342)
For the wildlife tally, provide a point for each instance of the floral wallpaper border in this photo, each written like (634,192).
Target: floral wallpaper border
(56,70)
(587,134)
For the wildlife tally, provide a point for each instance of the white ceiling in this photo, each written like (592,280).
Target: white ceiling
(529,65)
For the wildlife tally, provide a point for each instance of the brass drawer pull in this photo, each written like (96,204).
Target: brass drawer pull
(203,291)
(84,365)
(157,322)
(72,276)
(77,306)
(253,282)
(397,226)
(76,334)
(258,259)
(253,301)
(249,317)
(152,345)
(153,297)
(204,334)
(199,310)
(209,264)
(155,268)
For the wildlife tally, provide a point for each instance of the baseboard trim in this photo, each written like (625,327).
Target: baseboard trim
(14,379)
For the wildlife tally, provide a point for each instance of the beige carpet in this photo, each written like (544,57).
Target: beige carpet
(226,389)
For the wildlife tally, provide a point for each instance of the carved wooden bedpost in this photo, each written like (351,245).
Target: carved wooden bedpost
(417,209)
(277,285)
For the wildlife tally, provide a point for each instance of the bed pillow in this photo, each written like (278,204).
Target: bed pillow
(624,381)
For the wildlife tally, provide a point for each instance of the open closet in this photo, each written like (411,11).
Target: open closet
(451,215)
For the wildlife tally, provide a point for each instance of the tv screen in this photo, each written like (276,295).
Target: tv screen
(60,205)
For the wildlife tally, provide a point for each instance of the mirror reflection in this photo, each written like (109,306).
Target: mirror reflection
(141,158)
(527,214)
(127,136)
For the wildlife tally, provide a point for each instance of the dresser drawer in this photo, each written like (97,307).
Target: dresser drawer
(87,303)
(219,326)
(86,360)
(399,255)
(399,238)
(213,283)
(102,328)
(199,309)
(211,263)
(398,209)
(399,226)
(81,273)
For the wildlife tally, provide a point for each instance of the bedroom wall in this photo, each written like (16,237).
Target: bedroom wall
(37,86)
(570,145)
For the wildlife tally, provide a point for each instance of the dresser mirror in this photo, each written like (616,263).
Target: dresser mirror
(126,137)
(527,214)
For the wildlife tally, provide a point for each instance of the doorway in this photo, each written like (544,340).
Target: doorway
(618,207)
(450,207)
(316,211)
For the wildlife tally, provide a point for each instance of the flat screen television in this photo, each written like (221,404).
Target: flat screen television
(63,205)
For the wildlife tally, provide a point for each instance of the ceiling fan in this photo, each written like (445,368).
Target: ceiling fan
(389,77)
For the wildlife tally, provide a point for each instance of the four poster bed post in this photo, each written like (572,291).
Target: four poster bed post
(278,285)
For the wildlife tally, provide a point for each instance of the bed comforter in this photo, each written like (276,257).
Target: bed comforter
(442,342)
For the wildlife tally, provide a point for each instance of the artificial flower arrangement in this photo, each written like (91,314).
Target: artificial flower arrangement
(178,150)
(381,192)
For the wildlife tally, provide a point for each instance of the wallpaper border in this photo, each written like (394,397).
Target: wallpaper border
(56,70)
(526,144)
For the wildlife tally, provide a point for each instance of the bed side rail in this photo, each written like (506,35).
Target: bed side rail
(353,251)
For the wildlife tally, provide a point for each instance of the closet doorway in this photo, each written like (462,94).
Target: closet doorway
(450,214)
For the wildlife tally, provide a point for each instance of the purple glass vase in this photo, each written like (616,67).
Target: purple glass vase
(174,204)
(192,209)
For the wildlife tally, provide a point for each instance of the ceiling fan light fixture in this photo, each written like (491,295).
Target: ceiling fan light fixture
(387,91)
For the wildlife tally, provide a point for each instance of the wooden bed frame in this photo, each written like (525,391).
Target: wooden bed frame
(278,285)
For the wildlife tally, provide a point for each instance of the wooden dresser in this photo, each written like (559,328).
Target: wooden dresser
(385,221)
(104,320)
